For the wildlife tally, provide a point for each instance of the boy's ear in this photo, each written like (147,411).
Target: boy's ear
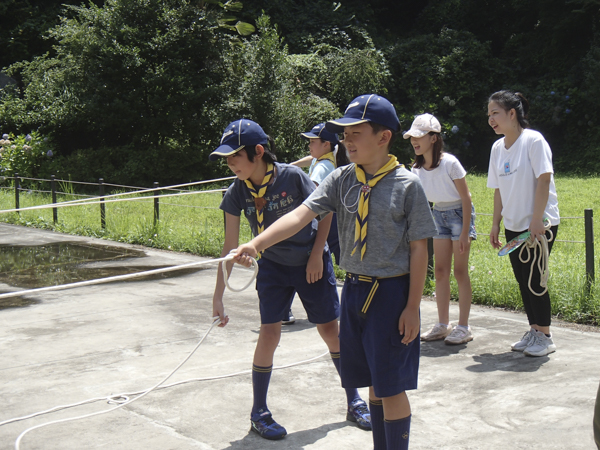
(260,151)
(386,136)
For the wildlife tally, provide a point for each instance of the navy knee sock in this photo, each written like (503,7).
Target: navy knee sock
(351,393)
(397,433)
(376,408)
(261,376)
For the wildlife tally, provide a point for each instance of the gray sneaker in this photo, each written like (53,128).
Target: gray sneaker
(542,345)
(437,332)
(525,341)
(459,336)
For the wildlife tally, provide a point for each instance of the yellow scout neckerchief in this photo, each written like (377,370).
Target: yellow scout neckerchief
(258,194)
(326,157)
(362,214)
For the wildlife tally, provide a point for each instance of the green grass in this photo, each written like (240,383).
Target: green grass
(194,224)
(191,223)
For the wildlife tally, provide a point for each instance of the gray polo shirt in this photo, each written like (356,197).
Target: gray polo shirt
(398,214)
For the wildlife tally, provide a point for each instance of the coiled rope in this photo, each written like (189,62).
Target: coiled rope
(541,244)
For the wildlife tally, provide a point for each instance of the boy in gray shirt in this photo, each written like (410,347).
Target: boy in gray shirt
(384,221)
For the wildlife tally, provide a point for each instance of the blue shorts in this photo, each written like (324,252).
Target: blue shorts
(277,284)
(371,351)
(449,223)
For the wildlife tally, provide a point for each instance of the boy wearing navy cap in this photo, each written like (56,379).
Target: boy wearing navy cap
(384,221)
(266,190)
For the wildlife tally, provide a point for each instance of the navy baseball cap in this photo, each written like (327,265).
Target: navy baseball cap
(366,108)
(320,132)
(237,135)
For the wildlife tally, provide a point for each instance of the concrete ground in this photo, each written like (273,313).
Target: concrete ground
(73,345)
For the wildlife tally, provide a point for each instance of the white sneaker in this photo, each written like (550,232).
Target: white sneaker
(459,335)
(436,333)
(525,341)
(542,345)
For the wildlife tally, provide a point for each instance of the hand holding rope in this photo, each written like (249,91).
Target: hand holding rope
(540,243)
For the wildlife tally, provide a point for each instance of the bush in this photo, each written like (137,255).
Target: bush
(263,84)
(451,76)
(28,155)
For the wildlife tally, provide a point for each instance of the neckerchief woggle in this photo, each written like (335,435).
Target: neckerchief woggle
(362,213)
(258,193)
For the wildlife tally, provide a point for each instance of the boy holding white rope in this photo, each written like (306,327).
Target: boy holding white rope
(265,190)
(386,266)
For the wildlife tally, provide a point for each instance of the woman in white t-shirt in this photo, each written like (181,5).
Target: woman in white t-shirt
(521,173)
(443,178)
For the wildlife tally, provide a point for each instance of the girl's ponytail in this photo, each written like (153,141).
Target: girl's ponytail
(341,157)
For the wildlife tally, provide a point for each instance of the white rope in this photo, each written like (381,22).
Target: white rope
(123,399)
(138,275)
(540,243)
(142,191)
(216,321)
(94,201)
(351,208)
(116,398)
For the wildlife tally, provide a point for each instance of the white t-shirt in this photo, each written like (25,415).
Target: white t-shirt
(439,182)
(319,170)
(515,172)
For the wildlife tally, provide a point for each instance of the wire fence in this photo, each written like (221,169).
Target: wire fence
(156,193)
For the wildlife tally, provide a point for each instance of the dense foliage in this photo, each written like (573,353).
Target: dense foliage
(139,90)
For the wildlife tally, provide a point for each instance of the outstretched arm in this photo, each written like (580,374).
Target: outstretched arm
(282,229)
(304,162)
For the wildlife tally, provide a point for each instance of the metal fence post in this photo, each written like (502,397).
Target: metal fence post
(53,189)
(102,205)
(589,248)
(156,212)
(17,189)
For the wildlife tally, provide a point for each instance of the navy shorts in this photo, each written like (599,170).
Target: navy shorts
(371,351)
(277,284)
(449,223)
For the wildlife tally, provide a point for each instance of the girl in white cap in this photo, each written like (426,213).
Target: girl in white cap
(443,178)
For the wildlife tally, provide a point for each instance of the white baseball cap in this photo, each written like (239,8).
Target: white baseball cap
(423,124)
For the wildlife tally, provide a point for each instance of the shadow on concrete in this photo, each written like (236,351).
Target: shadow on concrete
(507,362)
(293,441)
(299,325)
(437,349)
